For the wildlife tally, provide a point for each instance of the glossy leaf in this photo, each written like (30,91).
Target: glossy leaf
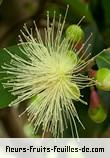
(5,95)
(104,59)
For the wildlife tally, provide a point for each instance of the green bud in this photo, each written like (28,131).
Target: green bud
(103,79)
(75,33)
(98,114)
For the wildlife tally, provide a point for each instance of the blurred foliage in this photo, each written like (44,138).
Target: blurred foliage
(104,59)
(5,95)
(97,20)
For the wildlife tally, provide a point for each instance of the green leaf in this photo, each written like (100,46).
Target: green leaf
(5,95)
(80,8)
(101,14)
(103,60)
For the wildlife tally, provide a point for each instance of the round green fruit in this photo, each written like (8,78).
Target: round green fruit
(103,79)
(75,33)
(98,115)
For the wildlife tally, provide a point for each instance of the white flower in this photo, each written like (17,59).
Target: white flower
(50,74)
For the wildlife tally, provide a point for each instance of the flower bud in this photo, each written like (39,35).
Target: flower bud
(103,79)
(98,114)
(75,33)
